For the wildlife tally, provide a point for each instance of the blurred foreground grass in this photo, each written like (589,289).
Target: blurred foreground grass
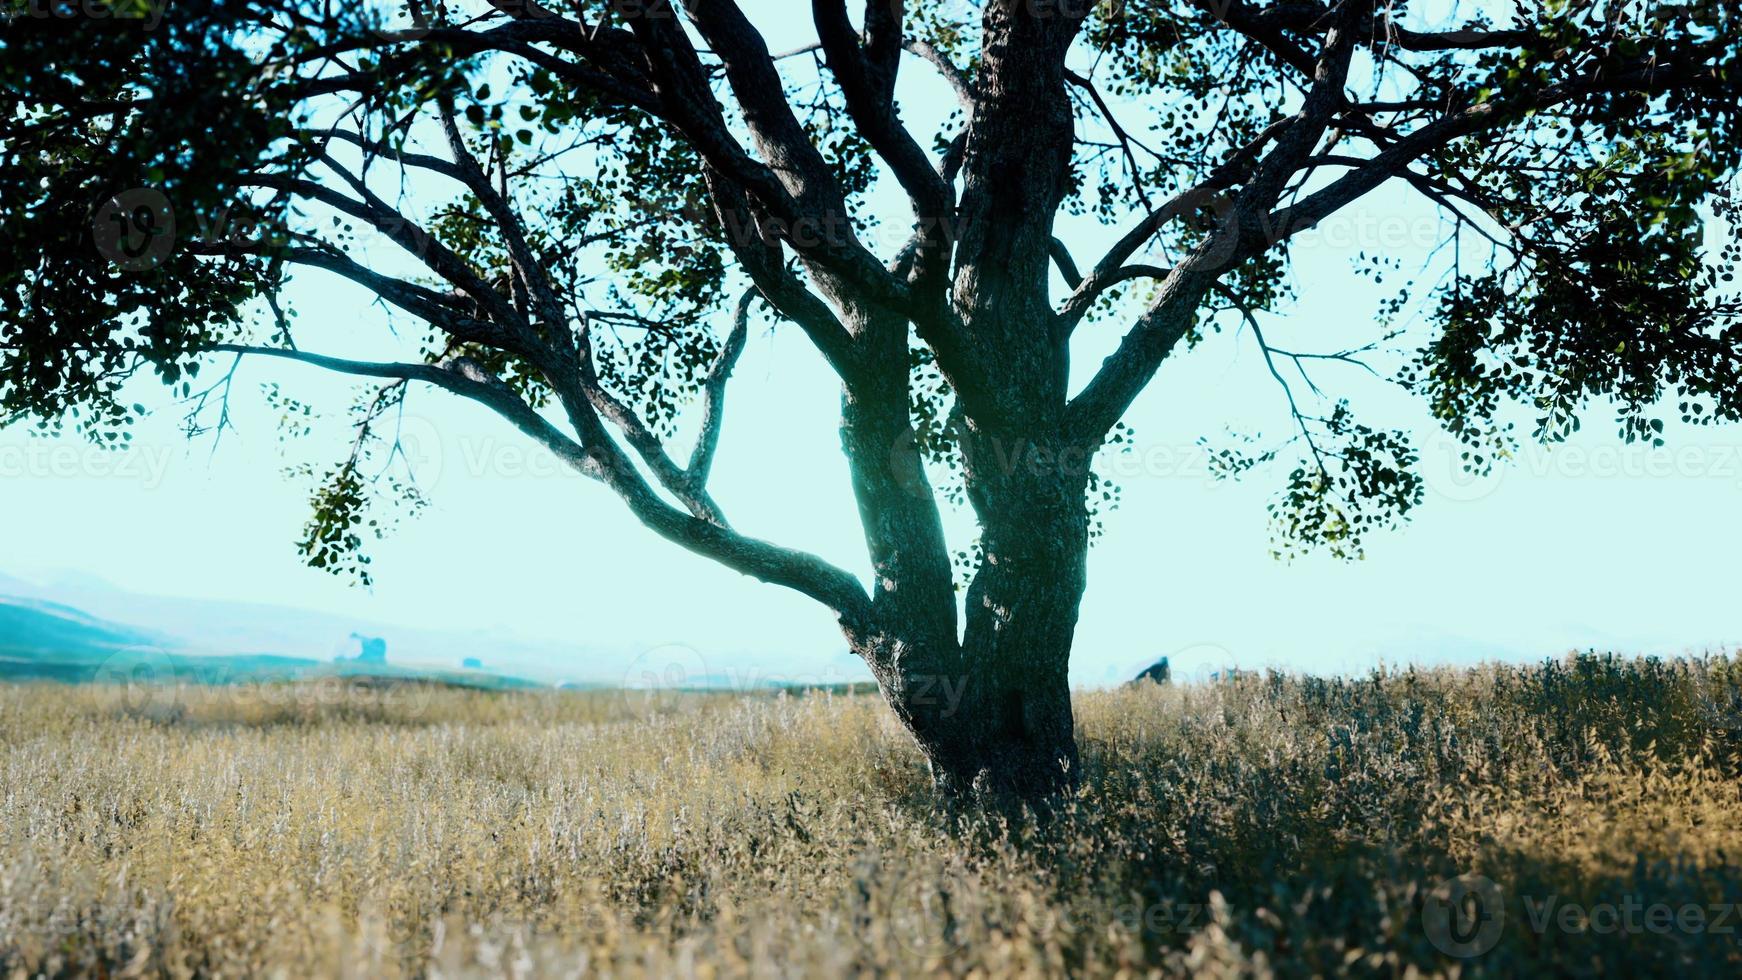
(1577,817)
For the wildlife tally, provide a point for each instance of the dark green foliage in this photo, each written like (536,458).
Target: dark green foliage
(166,115)
(167,170)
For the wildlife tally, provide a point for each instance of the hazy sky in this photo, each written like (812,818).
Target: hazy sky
(1590,544)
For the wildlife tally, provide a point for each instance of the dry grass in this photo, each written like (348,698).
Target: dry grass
(1268,825)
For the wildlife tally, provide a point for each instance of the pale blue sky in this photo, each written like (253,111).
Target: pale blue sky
(1590,544)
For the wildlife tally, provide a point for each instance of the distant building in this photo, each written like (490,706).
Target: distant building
(370,650)
(472,663)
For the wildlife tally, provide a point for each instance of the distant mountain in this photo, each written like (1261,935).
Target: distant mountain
(221,631)
(217,627)
(47,639)
(15,586)
(41,640)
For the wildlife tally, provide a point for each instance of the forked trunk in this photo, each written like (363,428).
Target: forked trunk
(993,715)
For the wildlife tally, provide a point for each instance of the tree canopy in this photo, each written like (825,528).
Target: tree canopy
(592,201)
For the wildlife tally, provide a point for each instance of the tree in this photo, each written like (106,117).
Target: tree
(576,189)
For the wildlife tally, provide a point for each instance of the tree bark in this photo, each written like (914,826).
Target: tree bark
(992,713)
(988,702)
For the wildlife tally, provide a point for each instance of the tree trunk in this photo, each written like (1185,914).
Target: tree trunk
(998,726)
(993,714)
(1010,732)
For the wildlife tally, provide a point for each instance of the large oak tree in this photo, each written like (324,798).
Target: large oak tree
(594,199)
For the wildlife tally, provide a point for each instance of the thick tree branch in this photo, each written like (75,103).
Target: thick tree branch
(434,308)
(762,260)
(1296,142)
(462,379)
(795,188)
(1015,172)
(869,93)
(531,271)
(407,234)
(594,455)
(1128,370)
(1205,193)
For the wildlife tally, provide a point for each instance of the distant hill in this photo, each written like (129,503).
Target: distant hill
(47,639)
(249,636)
(41,640)
(223,627)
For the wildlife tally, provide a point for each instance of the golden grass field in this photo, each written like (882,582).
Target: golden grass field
(1267,825)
